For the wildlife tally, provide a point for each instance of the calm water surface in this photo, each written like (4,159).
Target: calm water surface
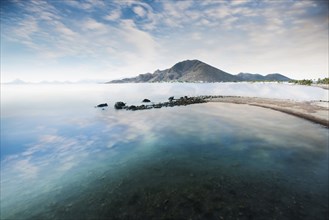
(61,158)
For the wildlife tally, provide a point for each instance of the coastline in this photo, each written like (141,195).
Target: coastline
(314,111)
(323,86)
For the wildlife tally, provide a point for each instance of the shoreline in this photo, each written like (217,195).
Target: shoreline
(312,111)
(323,86)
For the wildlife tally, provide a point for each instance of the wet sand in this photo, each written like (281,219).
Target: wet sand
(315,111)
(323,86)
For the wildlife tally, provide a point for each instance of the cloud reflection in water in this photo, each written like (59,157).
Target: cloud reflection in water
(83,147)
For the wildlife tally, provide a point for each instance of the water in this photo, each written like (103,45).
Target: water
(61,158)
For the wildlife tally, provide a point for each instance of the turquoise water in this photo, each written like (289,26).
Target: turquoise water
(61,158)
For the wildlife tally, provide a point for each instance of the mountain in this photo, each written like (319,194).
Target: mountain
(276,77)
(258,77)
(197,71)
(83,81)
(16,82)
(250,77)
(185,71)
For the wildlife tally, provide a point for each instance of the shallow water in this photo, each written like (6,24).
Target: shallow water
(63,159)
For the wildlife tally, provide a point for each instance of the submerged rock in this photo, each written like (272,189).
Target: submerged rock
(146,100)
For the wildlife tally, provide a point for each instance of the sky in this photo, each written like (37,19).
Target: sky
(105,40)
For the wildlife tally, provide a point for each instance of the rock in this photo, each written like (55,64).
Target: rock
(119,105)
(185,100)
(101,105)
(132,107)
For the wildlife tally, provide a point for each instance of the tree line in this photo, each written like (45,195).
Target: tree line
(309,82)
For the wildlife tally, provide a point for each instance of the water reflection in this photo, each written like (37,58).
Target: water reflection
(200,161)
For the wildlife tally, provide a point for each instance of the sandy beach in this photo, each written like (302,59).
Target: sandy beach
(323,86)
(315,111)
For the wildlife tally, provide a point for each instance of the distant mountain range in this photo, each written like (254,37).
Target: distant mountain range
(197,71)
(84,81)
(258,77)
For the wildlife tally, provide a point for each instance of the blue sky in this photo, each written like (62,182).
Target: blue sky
(94,39)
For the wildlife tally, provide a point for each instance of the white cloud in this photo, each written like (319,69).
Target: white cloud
(196,36)
(79,5)
(114,15)
(171,10)
(97,3)
(164,32)
(92,24)
(205,22)
(303,5)
(67,32)
(238,2)
(137,49)
(176,8)
(229,22)
(218,12)
(86,5)
(26,28)
(245,12)
(44,15)
(183,5)
(139,39)
(139,11)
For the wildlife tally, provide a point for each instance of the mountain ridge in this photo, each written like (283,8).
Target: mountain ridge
(198,71)
(259,77)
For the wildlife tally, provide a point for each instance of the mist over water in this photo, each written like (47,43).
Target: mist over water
(61,158)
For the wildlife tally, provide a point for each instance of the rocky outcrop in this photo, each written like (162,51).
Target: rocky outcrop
(119,105)
(171,103)
(101,105)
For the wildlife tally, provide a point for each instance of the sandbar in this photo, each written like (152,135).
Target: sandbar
(314,111)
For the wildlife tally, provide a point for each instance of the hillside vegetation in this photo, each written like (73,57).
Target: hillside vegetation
(309,82)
